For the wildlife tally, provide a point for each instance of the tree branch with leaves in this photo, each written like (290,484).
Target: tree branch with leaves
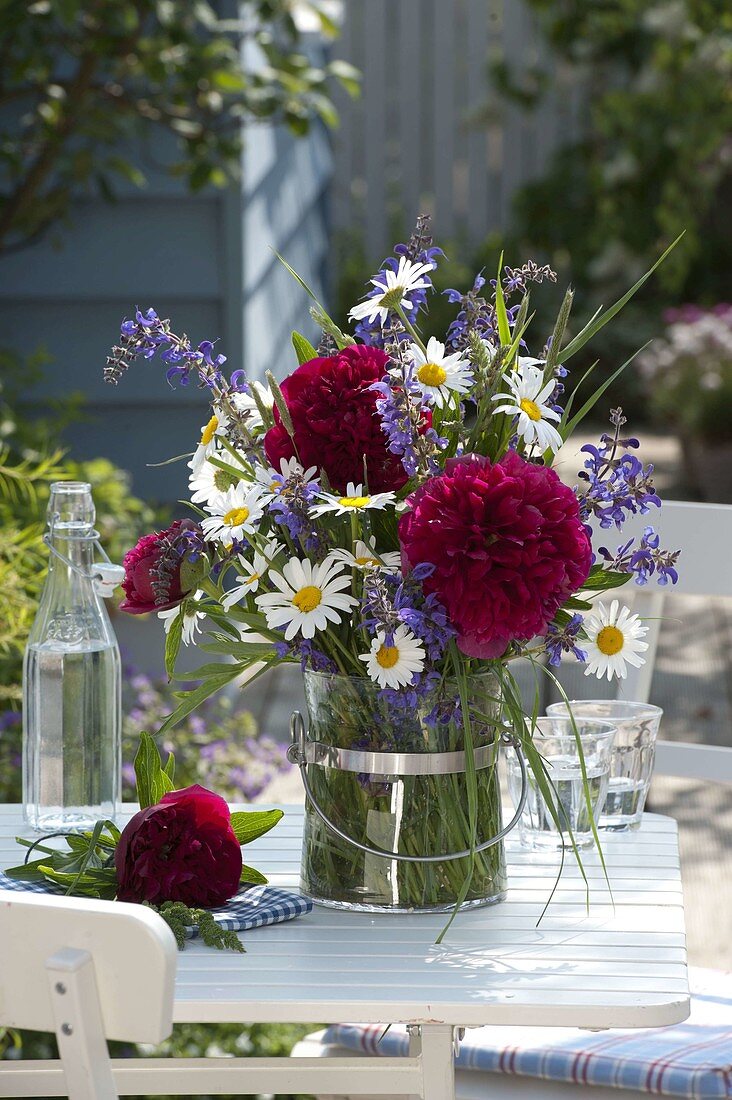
(84,81)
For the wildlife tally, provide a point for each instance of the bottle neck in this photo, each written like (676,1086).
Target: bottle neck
(71,552)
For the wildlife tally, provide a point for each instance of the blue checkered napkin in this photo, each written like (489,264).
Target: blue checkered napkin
(252,907)
(691,1060)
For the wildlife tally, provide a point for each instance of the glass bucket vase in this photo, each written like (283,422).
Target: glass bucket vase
(395,783)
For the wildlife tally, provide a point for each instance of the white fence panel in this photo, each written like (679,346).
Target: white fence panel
(430,133)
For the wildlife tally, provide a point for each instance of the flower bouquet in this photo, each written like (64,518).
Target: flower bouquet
(389,518)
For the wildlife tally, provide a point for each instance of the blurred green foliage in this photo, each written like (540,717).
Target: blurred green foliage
(654,157)
(93,90)
(31,457)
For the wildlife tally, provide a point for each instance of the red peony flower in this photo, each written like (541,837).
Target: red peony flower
(507,545)
(335,420)
(181,849)
(142,563)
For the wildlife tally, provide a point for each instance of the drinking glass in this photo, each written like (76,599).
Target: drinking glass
(632,757)
(557,742)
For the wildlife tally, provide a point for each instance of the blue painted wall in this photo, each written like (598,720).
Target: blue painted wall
(205,261)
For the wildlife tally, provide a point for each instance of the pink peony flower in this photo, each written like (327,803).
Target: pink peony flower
(141,565)
(337,427)
(181,849)
(507,545)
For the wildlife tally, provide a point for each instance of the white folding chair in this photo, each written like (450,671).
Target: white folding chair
(88,971)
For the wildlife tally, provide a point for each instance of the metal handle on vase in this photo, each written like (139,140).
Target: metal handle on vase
(303,752)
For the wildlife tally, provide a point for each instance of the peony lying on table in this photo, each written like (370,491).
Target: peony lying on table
(390,513)
(181,853)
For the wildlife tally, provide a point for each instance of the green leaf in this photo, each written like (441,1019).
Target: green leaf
(147,758)
(347,75)
(251,877)
(560,325)
(566,427)
(173,642)
(318,312)
(601,319)
(504,328)
(169,768)
(192,699)
(600,580)
(304,350)
(574,604)
(151,780)
(199,176)
(248,826)
(282,409)
(297,278)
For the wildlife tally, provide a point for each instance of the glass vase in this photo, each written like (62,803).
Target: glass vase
(412,814)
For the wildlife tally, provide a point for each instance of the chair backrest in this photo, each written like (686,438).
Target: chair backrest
(132,949)
(711,763)
(703,532)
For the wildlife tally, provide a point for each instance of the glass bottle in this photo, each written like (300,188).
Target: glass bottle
(71,680)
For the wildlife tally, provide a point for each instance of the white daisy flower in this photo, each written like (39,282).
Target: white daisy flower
(252,573)
(394,286)
(235,513)
(191,619)
(208,481)
(527,400)
(244,402)
(439,374)
(365,556)
(210,433)
(274,483)
(393,665)
(612,640)
(355,499)
(309,597)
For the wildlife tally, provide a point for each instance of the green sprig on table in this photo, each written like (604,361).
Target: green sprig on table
(180,918)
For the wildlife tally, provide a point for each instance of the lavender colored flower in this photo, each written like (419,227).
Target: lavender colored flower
(389,600)
(517,279)
(292,509)
(618,484)
(563,639)
(305,651)
(400,404)
(644,560)
(476,314)
(9,718)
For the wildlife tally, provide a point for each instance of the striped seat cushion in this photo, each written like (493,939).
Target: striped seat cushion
(692,1059)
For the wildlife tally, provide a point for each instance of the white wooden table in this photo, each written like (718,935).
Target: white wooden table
(622,963)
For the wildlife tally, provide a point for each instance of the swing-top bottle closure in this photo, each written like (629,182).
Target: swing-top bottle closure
(71,516)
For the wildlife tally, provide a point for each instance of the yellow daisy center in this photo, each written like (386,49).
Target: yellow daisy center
(354,502)
(236,516)
(387,656)
(366,561)
(610,640)
(308,598)
(531,409)
(209,431)
(431,374)
(253,577)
